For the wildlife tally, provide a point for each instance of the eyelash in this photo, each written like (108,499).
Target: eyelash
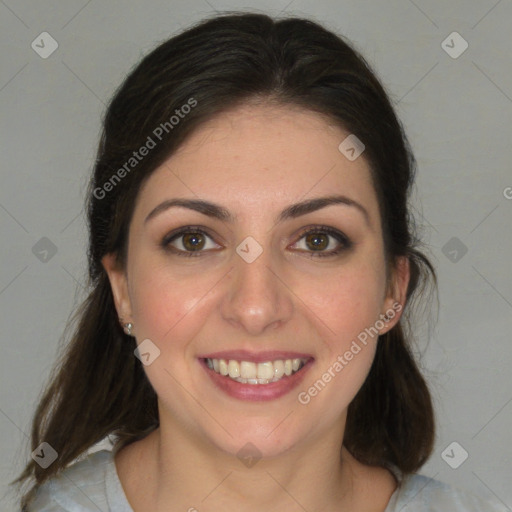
(343,240)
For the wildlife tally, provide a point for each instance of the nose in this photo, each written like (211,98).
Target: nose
(257,299)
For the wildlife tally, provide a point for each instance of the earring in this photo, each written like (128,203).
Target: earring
(128,328)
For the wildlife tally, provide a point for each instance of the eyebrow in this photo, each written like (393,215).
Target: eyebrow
(291,212)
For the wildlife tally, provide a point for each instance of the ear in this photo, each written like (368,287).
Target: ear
(396,295)
(119,284)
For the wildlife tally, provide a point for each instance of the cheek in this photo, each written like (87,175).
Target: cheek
(163,303)
(349,305)
(346,302)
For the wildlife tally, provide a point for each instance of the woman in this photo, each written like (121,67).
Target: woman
(251,259)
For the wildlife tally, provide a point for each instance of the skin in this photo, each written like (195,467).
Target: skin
(255,161)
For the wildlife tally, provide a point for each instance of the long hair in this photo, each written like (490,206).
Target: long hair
(97,387)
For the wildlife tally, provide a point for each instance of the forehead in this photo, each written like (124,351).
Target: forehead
(261,156)
(264,134)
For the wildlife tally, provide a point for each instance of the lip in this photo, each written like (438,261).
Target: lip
(257,392)
(255,357)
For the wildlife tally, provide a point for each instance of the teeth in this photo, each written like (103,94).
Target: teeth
(247,372)
(234,369)
(223,367)
(265,370)
(278,369)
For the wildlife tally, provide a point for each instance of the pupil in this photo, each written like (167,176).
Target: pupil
(317,241)
(193,241)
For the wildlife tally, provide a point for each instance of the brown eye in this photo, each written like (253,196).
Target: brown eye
(323,241)
(193,241)
(317,241)
(190,241)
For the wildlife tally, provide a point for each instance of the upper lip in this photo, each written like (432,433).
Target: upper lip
(255,357)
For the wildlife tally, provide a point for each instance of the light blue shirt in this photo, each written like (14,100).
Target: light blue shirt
(92,485)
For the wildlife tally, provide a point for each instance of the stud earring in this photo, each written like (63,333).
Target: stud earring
(128,328)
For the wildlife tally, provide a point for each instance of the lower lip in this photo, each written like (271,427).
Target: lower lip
(257,392)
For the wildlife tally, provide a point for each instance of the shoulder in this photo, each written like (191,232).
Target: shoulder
(81,486)
(419,493)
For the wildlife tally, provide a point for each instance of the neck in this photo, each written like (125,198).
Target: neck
(191,474)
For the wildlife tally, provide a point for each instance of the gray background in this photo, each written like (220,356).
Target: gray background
(456,111)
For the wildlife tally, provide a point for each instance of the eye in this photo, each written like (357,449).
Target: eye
(322,241)
(318,241)
(189,241)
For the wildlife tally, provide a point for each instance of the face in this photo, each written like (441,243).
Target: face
(274,253)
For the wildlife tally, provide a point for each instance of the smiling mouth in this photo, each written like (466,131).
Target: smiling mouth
(248,372)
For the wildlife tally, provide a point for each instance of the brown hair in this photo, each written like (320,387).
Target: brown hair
(98,387)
